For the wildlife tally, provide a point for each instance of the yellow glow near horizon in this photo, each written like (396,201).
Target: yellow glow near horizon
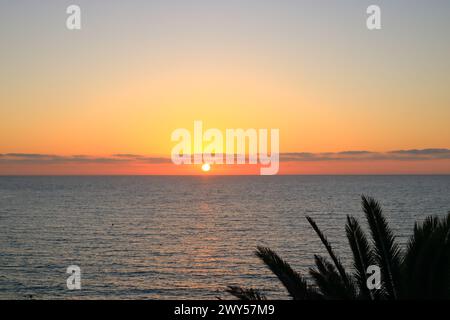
(127,92)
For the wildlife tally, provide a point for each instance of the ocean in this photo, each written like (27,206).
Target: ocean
(161,237)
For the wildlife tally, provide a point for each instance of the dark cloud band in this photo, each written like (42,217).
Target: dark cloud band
(356,155)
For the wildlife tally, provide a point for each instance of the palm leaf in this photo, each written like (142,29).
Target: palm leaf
(362,255)
(345,278)
(245,294)
(439,283)
(295,284)
(416,261)
(426,267)
(423,273)
(387,251)
(329,281)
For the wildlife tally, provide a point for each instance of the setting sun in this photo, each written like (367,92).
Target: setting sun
(206,167)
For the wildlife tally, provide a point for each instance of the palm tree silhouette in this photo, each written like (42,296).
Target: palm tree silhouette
(421,271)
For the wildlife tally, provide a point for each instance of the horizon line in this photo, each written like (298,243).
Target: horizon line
(222,175)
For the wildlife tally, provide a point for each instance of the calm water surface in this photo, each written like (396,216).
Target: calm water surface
(184,237)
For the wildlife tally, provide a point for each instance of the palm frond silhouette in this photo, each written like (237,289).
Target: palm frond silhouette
(420,271)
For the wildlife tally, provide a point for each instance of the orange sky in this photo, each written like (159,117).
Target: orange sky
(123,88)
(432,166)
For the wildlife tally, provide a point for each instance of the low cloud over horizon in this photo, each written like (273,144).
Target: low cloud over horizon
(356,155)
(359,155)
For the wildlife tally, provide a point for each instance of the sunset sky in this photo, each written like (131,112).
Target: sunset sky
(105,99)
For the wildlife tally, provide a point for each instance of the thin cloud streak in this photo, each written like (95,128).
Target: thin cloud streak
(362,155)
(355,155)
